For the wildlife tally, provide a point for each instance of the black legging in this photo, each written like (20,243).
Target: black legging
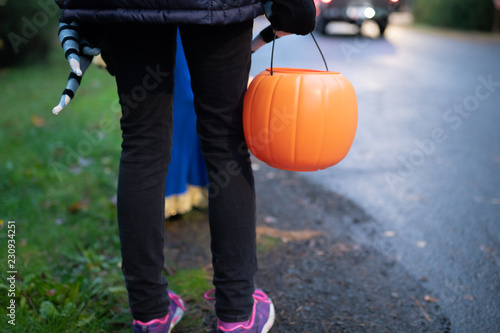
(219,58)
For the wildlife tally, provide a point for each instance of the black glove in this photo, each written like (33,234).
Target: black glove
(293,16)
(267,34)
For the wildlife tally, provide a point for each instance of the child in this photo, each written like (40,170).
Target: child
(139,41)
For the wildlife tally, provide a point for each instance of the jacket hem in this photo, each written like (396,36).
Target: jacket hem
(163,16)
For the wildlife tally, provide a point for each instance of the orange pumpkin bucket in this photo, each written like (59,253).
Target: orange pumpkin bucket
(300,119)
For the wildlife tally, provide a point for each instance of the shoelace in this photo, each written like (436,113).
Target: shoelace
(258,295)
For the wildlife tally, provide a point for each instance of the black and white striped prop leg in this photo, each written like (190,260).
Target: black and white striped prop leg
(79,54)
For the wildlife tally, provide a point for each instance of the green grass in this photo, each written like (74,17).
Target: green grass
(266,244)
(58,182)
(191,285)
(464,14)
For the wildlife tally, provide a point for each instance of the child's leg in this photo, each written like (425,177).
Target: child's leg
(219,61)
(142,57)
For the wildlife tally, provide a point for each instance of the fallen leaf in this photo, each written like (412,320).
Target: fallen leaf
(421,244)
(51,292)
(430,299)
(341,247)
(389,233)
(37,121)
(487,249)
(270,219)
(270,175)
(286,235)
(422,310)
(78,206)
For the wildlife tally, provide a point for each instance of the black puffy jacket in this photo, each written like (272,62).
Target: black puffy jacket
(160,11)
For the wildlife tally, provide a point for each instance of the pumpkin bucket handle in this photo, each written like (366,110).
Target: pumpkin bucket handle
(317,45)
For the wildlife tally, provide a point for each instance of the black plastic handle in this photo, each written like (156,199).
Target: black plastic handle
(317,45)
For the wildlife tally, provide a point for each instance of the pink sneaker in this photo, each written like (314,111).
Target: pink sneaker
(262,317)
(165,324)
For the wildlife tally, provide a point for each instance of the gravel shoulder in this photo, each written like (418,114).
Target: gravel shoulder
(321,279)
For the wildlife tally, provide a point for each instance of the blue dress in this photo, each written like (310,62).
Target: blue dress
(186,182)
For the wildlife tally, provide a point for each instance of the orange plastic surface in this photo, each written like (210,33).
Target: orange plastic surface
(300,119)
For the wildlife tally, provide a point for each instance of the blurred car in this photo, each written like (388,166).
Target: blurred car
(354,12)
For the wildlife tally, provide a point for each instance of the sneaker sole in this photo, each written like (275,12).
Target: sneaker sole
(270,321)
(177,316)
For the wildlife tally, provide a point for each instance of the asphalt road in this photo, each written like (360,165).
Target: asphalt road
(425,163)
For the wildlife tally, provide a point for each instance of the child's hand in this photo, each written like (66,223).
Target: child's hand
(292,16)
(79,54)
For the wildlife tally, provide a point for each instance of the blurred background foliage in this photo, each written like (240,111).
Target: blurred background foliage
(28,29)
(460,14)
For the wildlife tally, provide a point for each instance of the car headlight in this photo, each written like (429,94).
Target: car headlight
(356,12)
(369,12)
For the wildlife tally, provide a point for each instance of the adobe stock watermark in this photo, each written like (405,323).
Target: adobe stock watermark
(458,289)
(356,47)
(454,118)
(31,25)
(11,272)
(77,156)
(278,122)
